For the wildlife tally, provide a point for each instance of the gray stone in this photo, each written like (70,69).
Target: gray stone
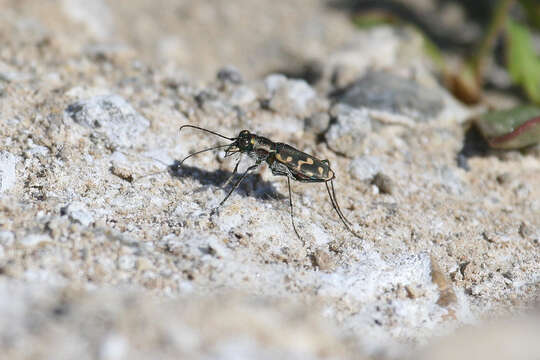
(109,115)
(449,178)
(317,123)
(388,92)
(230,74)
(347,134)
(384,183)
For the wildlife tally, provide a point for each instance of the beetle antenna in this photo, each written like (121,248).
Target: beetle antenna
(203,129)
(201,151)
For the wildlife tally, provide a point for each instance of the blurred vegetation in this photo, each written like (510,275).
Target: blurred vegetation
(513,128)
(506,24)
(508,38)
(523,64)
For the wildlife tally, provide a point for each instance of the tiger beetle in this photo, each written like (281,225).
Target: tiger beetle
(283,160)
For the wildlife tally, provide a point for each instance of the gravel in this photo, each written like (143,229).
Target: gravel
(109,249)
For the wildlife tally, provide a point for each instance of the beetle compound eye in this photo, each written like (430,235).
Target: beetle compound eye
(244,143)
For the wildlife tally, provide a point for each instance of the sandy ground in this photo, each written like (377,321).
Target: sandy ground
(109,250)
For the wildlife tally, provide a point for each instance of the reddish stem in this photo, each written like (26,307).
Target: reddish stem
(520,129)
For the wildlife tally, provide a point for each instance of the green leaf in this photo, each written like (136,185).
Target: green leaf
(523,64)
(512,128)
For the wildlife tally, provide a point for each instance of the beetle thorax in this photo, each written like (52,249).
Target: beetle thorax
(263,144)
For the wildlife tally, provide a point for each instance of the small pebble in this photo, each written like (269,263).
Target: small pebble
(122,172)
(34,240)
(77,212)
(447,295)
(126,262)
(144,264)
(413,292)
(384,183)
(317,123)
(364,168)
(346,136)
(173,244)
(288,96)
(243,95)
(504,178)
(525,230)
(323,260)
(230,74)
(6,237)
(114,347)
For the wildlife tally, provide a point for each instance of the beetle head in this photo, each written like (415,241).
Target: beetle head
(243,143)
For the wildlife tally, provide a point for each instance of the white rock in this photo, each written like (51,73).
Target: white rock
(33,240)
(114,347)
(243,95)
(364,168)
(274,81)
(7,237)
(7,171)
(10,74)
(347,135)
(126,262)
(77,212)
(290,96)
(109,115)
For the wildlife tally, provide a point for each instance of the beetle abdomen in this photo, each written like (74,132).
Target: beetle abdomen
(303,167)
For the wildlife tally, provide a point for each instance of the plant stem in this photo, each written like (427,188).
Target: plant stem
(486,45)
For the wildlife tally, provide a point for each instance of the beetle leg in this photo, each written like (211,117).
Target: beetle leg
(292,213)
(236,184)
(232,175)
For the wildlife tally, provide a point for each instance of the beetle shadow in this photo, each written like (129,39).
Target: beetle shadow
(253,184)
